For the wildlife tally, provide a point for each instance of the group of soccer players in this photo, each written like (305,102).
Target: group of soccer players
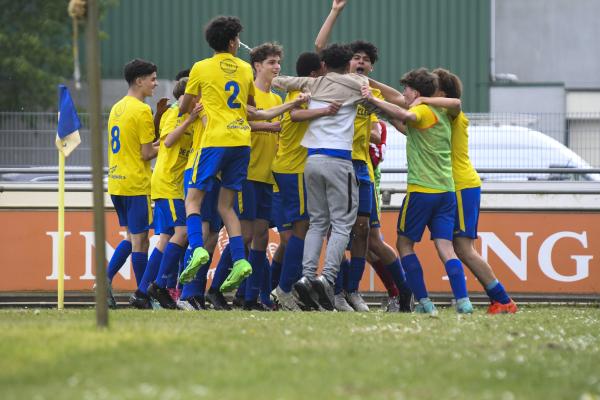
(231,153)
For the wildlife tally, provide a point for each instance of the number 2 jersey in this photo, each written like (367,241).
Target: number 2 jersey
(225,82)
(130,125)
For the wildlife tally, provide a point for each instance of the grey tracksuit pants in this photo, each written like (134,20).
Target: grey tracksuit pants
(332,200)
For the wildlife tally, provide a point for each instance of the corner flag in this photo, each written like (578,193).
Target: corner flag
(67,133)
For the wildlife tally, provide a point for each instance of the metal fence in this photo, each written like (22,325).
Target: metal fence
(497,142)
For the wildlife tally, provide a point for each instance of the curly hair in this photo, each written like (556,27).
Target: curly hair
(336,56)
(307,62)
(367,47)
(421,80)
(261,52)
(137,68)
(449,83)
(221,30)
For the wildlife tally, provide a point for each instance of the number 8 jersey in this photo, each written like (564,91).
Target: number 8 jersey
(225,82)
(130,125)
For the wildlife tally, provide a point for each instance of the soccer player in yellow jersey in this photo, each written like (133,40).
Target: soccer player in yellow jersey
(130,149)
(226,85)
(366,232)
(468,194)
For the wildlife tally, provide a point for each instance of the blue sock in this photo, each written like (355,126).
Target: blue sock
(238,250)
(223,268)
(256,259)
(291,270)
(398,275)
(357,268)
(265,287)
(151,270)
(197,286)
(118,258)
(414,276)
(241,290)
(275,273)
(456,275)
(194,228)
(496,292)
(139,261)
(342,276)
(169,264)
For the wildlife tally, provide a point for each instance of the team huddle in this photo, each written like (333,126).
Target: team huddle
(231,153)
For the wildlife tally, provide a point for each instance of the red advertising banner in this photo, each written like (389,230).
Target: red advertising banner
(530,252)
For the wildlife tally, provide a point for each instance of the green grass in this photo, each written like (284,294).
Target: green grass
(540,353)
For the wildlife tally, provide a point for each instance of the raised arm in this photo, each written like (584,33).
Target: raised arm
(390,94)
(454,106)
(323,35)
(254,114)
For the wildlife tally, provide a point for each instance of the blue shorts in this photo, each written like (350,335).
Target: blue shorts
(278,213)
(293,197)
(187,175)
(168,213)
(255,201)
(434,210)
(231,162)
(134,212)
(209,211)
(467,212)
(364,187)
(375,217)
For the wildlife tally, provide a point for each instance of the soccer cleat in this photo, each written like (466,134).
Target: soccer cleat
(237,302)
(426,306)
(464,306)
(341,304)
(217,299)
(499,308)
(240,271)
(196,302)
(162,296)
(254,305)
(324,290)
(393,304)
(199,257)
(185,305)
(357,302)
(285,300)
(306,294)
(140,300)
(112,303)
(406,301)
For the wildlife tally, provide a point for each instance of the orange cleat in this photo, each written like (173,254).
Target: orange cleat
(499,308)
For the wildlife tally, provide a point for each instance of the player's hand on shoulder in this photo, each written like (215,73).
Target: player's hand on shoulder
(417,101)
(365,90)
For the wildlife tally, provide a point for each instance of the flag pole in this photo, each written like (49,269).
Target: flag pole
(61,230)
(93,76)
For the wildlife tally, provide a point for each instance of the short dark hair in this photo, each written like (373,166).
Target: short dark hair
(336,56)
(179,89)
(367,47)
(184,73)
(449,83)
(137,68)
(262,52)
(307,62)
(220,30)
(421,80)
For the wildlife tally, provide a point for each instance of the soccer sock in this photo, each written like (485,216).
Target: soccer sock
(397,273)
(386,277)
(342,276)
(256,258)
(197,286)
(241,290)
(265,287)
(357,268)
(496,292)
(182,263)
(139,261)
(169,263)
(237,248)
(275,273)
(118,258)
(456,275)
(194,228)
(151,270)
(414,276)
(223,268)
(291,270)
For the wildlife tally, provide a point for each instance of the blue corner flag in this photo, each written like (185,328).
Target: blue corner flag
(67,133)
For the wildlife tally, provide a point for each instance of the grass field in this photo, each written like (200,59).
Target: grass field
(539,353)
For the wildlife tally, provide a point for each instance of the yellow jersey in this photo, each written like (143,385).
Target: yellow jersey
(167,177)
(362,130)
(225,83)
(130,125)
(264,144)
(464,174)
(291,155)
(196,140)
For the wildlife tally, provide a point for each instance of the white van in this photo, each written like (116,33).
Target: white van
(504,146)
